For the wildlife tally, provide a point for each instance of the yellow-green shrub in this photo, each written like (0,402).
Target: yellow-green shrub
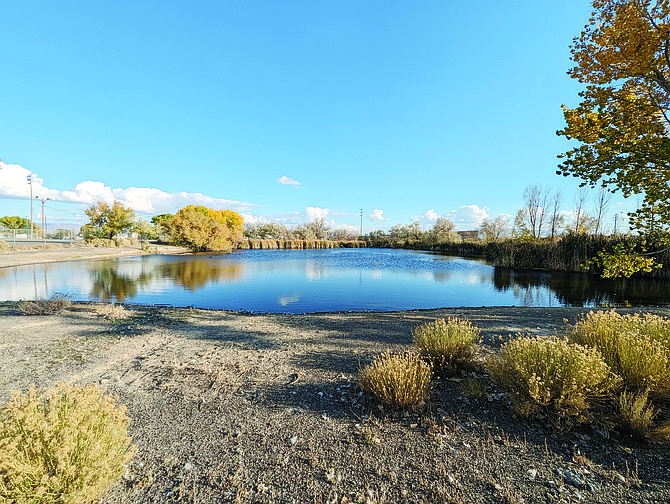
(636,348)
(552,376)
(636,414)
(66,445)
(399,380)
(450,346)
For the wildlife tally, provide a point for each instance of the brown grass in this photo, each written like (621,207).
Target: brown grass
(55,304)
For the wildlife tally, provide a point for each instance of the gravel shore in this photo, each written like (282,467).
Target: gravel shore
(232,407)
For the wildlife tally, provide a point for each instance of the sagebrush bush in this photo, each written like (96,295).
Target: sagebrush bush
(65,445)
(450,346)
(55,304)
(636,348)
(4,246)
(552,376)
(399,380)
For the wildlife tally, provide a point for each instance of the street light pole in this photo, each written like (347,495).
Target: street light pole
(30,183)
(44,218)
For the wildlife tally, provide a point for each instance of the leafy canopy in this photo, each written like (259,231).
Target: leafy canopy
(622,124)
(106,221)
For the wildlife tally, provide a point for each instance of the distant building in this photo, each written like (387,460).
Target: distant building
(468,235)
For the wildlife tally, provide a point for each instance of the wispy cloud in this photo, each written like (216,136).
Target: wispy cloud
(144,200)
(289,181)
(468,217)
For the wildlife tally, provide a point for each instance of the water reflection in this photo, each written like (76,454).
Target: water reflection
(323,280)
(193,275)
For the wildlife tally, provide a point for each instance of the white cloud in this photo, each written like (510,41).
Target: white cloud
(377,215)
(144,200)
(430,215)
(468,217)
(288,181)
(312,213)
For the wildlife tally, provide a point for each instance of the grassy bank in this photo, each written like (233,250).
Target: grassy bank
(256,244)
(570,253)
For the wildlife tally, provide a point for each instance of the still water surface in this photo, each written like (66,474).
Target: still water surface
(300,281)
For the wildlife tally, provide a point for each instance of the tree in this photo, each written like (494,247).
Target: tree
(603,201)
(200,229)
(580,202)
(162,224)
(15,222)
(108,222)
(493,230)
(145,230)
(622,123)
(444,231)
(535,200)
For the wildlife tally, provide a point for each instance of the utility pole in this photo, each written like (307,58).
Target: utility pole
(44,218)
(30,183)
(361,222)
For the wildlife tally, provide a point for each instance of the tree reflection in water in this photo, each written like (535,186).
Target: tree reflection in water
(109,284)
(573,289)
(193,275)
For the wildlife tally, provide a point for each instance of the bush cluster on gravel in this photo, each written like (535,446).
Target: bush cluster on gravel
(67,445)
(55,304)
(450,346)
(610,369)
(552,375)
(399,380)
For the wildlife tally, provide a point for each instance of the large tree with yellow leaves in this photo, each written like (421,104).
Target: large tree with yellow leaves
(622,123)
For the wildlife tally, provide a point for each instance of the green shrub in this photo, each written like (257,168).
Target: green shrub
(449,346)
(399,380)
(64,445)
(55,304)
(552,376)
(636,348)
(473,388)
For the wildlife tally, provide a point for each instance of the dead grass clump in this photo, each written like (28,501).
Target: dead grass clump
(552,376)
(399,380)
(64,445)
(450,346)
(55,304)
(4,246)
(112,311)
(636,413)
(636,348)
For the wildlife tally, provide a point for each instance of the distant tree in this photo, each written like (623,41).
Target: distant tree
(60,234)
(556,220)
(15,222)
(398,234)
(320,228)
(415,231)
(343,235)
(536,201)
(200,229)
(520,229)
(580,202)
(162,224)
(603,201)
(145,230)
(108,222)
(493,230)
(444,231)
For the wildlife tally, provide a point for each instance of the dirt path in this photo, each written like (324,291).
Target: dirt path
(21,256)
(231,407)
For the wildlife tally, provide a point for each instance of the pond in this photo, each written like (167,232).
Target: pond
(302,281)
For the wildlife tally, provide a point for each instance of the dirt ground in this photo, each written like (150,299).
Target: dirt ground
(265,408)
(18,255)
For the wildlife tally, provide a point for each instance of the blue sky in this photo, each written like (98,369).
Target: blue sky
(287,110)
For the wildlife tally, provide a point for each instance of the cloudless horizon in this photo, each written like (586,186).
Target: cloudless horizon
(287,111)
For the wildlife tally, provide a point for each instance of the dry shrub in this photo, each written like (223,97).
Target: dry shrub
(63,445)
(553,376)
(473,388)
(450,346)
(399,380)
(112,311)
(4,246)
(636,413)
(636,348)
(55,304)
